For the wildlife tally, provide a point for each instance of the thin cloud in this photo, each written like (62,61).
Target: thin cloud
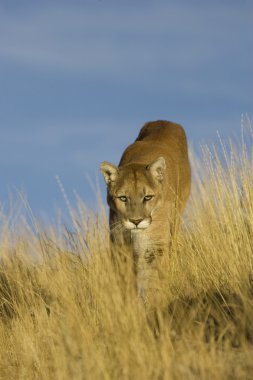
(37,144)
(111,38)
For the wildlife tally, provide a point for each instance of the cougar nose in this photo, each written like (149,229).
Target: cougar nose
(136,221)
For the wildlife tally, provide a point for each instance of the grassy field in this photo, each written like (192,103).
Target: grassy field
(67,313)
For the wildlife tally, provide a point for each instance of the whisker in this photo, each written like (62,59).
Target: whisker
(115,225)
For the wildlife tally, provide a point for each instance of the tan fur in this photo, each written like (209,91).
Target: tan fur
(156,165)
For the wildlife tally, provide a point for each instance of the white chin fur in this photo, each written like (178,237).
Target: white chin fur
(141,226)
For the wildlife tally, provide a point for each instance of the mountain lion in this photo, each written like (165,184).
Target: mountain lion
(146,194)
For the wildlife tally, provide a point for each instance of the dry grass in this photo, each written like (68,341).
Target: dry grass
(67,313)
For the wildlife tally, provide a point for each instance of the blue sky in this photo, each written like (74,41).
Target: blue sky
(78,79)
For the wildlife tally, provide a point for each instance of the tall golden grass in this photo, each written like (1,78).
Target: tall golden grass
(67,312)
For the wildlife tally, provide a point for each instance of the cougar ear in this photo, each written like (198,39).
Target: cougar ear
(109,172)
(157,168)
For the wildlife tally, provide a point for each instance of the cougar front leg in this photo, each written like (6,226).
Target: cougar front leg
(121,245)
(150,276)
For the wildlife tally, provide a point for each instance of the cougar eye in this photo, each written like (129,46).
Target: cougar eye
(148,197)
(123,198)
